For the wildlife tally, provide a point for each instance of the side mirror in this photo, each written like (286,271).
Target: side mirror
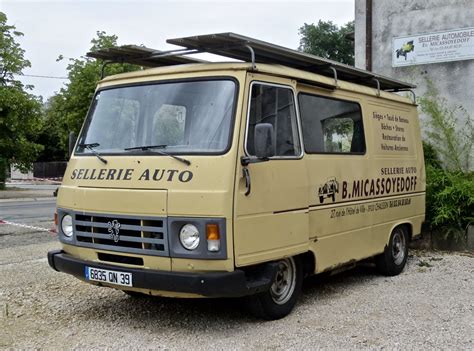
(264,140)
(72,142)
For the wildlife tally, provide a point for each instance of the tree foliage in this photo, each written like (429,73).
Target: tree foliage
(11,54)
(65,111)
(327,40)
(20,111)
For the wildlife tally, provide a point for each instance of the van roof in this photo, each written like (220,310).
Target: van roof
(302,77)
(242,48)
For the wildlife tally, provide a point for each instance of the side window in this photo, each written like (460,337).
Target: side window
(331,126)
(274,105)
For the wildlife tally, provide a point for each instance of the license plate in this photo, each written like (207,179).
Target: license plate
(107,276)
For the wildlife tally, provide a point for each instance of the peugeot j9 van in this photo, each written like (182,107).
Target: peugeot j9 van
(196,179)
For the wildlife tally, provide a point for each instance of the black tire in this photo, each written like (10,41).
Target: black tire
(333,197)
(280,299)
(321,199)
(392,261)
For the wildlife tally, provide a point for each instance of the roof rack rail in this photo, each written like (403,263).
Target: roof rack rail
(143,56)
(236,46)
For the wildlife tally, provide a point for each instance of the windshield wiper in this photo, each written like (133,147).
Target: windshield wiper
(161,152)
(146,147)
(91,147)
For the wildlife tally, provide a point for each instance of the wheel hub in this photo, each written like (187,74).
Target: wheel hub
(284,283)
(398,247)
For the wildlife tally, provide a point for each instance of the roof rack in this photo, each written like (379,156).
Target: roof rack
(239,47)
(142,56)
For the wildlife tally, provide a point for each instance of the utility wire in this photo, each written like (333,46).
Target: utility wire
(38,76)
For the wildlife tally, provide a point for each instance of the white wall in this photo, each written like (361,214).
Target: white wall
(394,18)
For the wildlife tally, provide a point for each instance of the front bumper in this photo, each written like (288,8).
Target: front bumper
(214,284)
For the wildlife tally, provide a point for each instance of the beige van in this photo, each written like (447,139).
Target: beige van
(199,179)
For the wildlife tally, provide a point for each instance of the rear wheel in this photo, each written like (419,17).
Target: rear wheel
(393,259)
(280,299)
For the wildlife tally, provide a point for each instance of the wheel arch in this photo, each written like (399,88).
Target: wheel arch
(407,225)
(308,260)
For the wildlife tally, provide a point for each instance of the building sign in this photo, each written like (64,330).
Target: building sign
(452,45)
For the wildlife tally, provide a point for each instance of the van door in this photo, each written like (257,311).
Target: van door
(271,220)
(340,223)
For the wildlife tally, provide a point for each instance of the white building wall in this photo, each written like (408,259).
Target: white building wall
(395,18)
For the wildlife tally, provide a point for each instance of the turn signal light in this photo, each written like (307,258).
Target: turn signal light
(56,218)
(213,237)
(212,231)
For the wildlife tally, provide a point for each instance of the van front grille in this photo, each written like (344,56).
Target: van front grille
(141,235)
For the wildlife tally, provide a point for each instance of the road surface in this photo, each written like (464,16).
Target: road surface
(29,186)
(37,213)
(29,211)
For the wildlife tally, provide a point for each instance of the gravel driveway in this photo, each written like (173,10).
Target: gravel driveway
(430,305)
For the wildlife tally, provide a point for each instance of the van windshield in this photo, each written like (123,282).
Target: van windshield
(188,117)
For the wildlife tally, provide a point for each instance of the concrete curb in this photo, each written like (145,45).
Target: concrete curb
(24,199)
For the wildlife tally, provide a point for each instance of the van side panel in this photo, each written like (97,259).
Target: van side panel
(398,156)
(339,230)
(342,206)
(377,191)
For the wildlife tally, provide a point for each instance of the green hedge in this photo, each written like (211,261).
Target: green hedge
(449,197)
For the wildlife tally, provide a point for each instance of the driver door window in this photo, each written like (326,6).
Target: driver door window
(275,105)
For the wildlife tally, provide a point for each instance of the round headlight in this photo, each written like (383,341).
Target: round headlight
(189,237)
(66,225)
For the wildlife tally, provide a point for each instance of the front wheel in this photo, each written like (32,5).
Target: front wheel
(280,299)
(392,261)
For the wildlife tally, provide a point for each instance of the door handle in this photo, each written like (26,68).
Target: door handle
(248,185)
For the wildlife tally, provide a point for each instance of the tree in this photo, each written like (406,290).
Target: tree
(20,111)
(329,41)
(13,60)
(65,111)
(53,128)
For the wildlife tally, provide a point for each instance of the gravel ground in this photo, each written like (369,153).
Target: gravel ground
(429,306)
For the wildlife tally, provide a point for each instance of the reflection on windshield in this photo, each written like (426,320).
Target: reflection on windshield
(187,117)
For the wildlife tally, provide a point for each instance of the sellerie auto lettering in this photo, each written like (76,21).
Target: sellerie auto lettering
(156,175)
(168,175)
(379,186)
(102,174)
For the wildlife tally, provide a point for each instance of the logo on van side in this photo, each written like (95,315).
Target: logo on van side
(328,189)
